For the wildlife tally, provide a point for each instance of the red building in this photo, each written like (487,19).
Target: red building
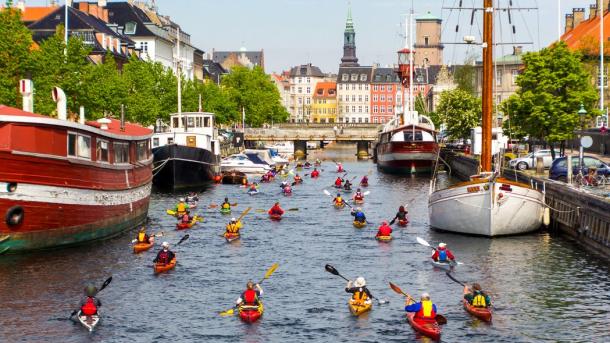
(386,94)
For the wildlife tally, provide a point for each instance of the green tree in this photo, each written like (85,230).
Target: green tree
(107,89)
(15,45)
(460,112)
(464,76)
(552,86)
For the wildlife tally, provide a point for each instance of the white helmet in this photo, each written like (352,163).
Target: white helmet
(233,219)
(165,245)
(425,296)
(360,282)
(359,209)
(181,199)
(442,245)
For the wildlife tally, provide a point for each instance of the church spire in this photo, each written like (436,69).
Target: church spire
(349,58)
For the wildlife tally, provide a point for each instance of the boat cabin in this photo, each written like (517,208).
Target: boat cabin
(193,129)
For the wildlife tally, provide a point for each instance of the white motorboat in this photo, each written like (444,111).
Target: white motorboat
(282,147)
(248,163)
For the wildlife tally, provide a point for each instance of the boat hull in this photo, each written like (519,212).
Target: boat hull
(405,157)
(487,208)
(184,167)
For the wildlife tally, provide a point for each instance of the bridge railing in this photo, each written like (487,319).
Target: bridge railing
(326,125)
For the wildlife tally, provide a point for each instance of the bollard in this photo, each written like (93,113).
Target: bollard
(569,165)
(539,165)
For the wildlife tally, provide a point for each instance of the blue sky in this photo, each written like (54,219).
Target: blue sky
(294,32)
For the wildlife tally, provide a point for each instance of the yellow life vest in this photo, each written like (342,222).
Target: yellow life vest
(181,207)
(360,297)
(142,237)
(226,205)
(232,228)
(338,200)
(426,306)
(479,300)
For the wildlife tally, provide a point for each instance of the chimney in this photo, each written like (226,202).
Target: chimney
(83,7)
(26,88)
(105,15)
(104,123)
(93,10)
(60,98)
(579,15)
(101,3)
(517,50)
(81,114)
(569,22)
(592,11)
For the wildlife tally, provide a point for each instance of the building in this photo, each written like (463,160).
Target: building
(303,80)
(349,58)
(443,82)
(244,58)
(282,82)
(324,108)
(353,94)
(428,47)
(34,13)
(507,68)
(213,71)
(386,95)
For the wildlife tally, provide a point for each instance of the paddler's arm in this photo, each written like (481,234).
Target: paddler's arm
(413,307)
(259,289)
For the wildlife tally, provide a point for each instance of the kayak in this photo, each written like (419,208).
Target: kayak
(287,194)
(277,217)
(358,308)
(230,237)
(225,210)
(403,222)
(364,184)
(250,314)
(341,205)
(358,201)
(298,182)
(483,313)
(307,167)
(89,322)
(163,267)
(252,192)
(347,190)
(426,327)
(184,226)
(139,247)
(383,238)
(359,225)
(444,265)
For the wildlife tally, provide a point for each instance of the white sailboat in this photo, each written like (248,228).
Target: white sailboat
(487,204)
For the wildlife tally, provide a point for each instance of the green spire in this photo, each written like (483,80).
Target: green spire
(349,24)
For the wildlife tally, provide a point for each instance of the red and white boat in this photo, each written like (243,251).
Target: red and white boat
(63,183)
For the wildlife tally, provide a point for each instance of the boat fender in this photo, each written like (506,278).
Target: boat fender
(14,216)
(546,219)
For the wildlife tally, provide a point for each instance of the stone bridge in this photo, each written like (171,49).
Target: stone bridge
(301,133)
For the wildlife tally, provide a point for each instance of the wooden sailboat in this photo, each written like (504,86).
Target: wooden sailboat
(488,204)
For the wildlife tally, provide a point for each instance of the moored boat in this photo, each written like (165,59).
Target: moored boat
(482,313)
(251,314)
(89,322)
(249,163)
(407,149)
(163,267)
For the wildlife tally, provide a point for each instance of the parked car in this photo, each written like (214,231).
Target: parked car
(529,161)
(559,168)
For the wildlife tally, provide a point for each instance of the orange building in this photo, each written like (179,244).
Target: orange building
(583,34)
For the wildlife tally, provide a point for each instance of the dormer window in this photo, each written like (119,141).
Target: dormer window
(354,77)
(362,77)
(345,77)
(130,28)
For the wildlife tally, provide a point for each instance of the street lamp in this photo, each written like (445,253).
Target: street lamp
(581,114)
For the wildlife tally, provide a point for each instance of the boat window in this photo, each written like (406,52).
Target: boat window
(197,121)
(142,150)
(101,150)
(174,122)
(207,122)
(191,122)
(170,140)
(427,137)
(155,142)
(71,144)
(84,146)
(121,152)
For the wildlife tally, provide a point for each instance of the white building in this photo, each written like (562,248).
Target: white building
(353,92)
(303,80)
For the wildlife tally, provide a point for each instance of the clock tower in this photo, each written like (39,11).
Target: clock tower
(349,58)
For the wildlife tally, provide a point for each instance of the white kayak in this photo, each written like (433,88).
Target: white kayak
(89,322)
(444,265)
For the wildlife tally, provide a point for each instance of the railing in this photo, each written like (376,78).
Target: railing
(326,125)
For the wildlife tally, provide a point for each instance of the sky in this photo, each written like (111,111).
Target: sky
(294,32)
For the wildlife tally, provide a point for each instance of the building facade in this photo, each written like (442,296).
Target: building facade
(353,94)
(386,95)
(303,80)
(428,47)
(507,68)
(243,58)
(324,109)
(282,82)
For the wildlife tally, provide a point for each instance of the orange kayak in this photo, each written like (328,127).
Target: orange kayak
(275,217)
(163,267)
(139,247)
(383,238)
(429,328)
(483,313)
(403,222)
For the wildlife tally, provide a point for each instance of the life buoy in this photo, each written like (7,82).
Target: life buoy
(14,216)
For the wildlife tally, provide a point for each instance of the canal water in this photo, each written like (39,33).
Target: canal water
(544,288)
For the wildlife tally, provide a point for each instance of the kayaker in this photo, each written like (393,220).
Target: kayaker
(424,310)
(233,227)
(265,178)
(226,205)
(338,182)
(442,254)
(318,162)
(347,186)
(401,214)
(364,181)
(276,209)
(359,215)
(360,293)
(338,200)
(298,179)
(283,185)
(89,304)
(253,187)
(299,165)
(287,189)
(186,218)
(164,256)
(307,164)
(315,173)
(181,207)
(359,196)
(339,167)
(251,295)
(384,230)
(143,237)
(192,197)
(477,297)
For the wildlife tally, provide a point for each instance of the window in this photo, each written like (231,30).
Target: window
(499,78)
(360,98)
(155,142)
(170,140)
(375,109)
(130,28)
(121,151)
(390,109)
(363,77)
(308,90)
(346,109)
(366,120)
(353,120)
(300,101)
(376,87)
(375,98)
(72,144)
(354,77)
(354,97)
(207,122)
(353,86)
(142,150)
(382,88)
(426,40)
(307,101)
(360,120)
(366,87)
(382,109)
(300,90)
(299,80)
(83,146)
(375,120)
(359,109)
(340,97)
(515,73)
(390,98)
(308,80)
(366,98)
(101,150)
(190,121)
(382,97)
(353,109)
(366,109)
(144,47)
(345,77)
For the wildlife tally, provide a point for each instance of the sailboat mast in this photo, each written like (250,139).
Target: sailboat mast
(179,76)
(487,85)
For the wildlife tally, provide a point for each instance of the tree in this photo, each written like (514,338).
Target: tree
(15,44)
(107,89)
(464,76)
(460,112)
(552,86)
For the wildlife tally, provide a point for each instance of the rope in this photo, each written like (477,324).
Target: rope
(159,167)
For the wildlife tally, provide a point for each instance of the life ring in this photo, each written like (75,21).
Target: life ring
(14,216)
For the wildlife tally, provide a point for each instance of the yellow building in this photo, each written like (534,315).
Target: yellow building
(324,107)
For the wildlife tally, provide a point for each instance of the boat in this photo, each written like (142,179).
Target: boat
(282,147)
(339,206)
(252,192)
(230,237)
(403,222)
(225,210)
(444,265)
(366,184)
(279,160)
(383,238)
(488,204)
(359,201)
(64,183)
(183,226)
(140,247)
(89,322)
(251,314)
(163,267)
(482,313)
(276,217)
(186,151)
(244,163)
(407,149)
(358,307)
(428,328)
(358,225)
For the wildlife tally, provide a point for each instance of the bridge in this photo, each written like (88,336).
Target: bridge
(301,133)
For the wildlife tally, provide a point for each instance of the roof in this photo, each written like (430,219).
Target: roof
(385,75)
(588,29)
(306,70)
(428,17)
(325,90)
(123,12)
(12,111)
(511,59)
(358,72)
(35,13)
(213,69)
(255,57)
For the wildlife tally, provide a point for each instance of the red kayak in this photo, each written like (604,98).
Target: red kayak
(483,313)
(426,327)
(403,222)
(277,217)
(250,314)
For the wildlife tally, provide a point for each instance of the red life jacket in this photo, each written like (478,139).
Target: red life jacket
(359,196)
(315,173)
(384,230)
(89,307)
(163,257)
(250,297)
(338,182)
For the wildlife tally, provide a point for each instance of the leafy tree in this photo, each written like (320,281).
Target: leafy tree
(459,111)
(106,89)
(15,44)
(464,76)
(551,88)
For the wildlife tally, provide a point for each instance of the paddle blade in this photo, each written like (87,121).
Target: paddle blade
(183,239)
(271,270)
(331,269)
(440,319)
(106,283)
(327,193)
(396,289)
(227,313)
(423,242)
(171,212)
(73,313)
(454,279)
(260,210)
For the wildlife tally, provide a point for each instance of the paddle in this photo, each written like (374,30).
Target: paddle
(216,205)
(334,271)
(270,271)
(454,279)
(183,239)
(345,202)
(106,283)
(160,234)
(440,319)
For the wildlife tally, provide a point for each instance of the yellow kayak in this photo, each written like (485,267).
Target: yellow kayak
(383,238)
(358,308)
(359,225)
